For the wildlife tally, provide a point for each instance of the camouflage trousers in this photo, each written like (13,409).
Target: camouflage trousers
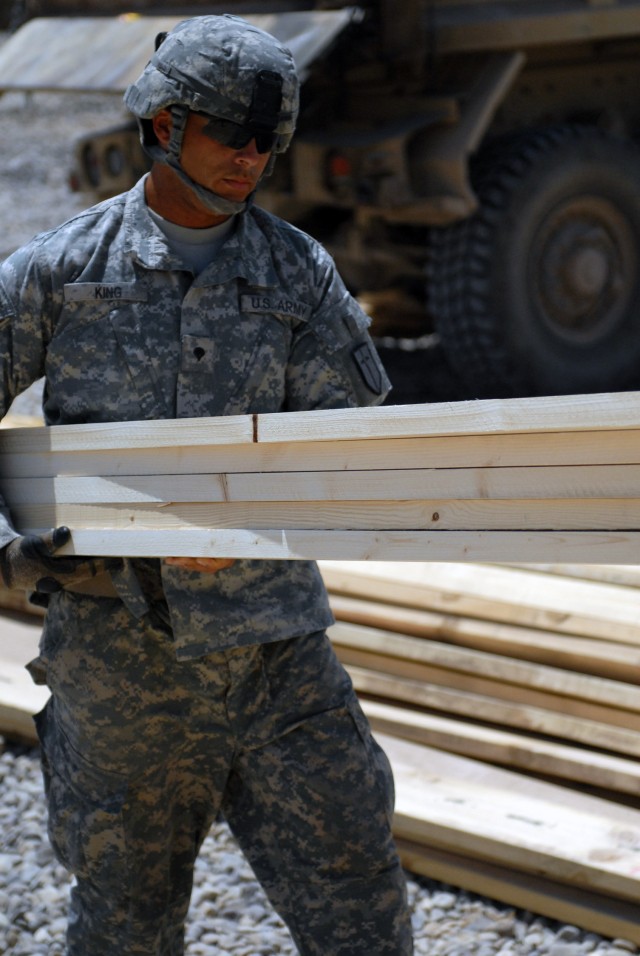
(141,752)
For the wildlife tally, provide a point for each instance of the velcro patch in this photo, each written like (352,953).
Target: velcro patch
(274,303)
(98,291)
(197,353)
(369,367)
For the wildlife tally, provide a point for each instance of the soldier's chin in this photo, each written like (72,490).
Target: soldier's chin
(238,190)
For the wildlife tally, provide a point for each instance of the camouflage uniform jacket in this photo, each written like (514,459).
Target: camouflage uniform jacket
(123,331)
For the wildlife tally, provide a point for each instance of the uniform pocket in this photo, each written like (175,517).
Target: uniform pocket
(379,760)
(253,373)
(99,365)
(85,805)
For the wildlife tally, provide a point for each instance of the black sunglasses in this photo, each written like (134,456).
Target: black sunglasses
(262,120)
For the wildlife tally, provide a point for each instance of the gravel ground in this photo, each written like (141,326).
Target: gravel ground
(37,153)
(230,914)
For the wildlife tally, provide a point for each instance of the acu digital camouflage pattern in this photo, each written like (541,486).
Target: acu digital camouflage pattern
(123,331)
(197,702)
(271,735)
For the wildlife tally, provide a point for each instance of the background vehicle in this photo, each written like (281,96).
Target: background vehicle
(480,158)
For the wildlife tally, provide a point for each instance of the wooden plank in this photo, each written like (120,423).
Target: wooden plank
(591,911)
(433,763)
(523,675)
(469,451)
(586,655)
(491,710)
(557,515)
(519,695)
(20,699)
(416,484)
(510,595)
(527,484)
(123,436)
(573,413)
(546,832)
(352,546)
(517,751)
(490,416)
(602,573)
(19,633)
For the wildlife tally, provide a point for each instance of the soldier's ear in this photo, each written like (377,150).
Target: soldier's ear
(162,123)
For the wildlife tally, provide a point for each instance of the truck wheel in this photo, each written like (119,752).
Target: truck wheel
(539,292)
(19,13)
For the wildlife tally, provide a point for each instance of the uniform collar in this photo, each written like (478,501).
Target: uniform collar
(247,254)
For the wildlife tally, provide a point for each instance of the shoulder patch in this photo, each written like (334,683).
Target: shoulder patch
(369,367)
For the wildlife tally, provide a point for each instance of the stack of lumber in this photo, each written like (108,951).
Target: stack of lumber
(508,701)
(546,479)
(20,698)
(507,697)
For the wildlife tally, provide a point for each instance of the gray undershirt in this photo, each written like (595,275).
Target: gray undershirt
(196,247)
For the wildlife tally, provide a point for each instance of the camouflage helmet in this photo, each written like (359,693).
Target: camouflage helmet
(242,78)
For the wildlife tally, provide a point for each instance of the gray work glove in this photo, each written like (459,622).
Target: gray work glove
(28,563)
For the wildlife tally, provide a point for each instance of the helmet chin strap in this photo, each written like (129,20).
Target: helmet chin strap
(212,201)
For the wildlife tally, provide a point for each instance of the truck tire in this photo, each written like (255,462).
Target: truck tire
(20,11)
(538,293)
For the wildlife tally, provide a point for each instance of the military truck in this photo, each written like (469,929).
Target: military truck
(481,157)
(13,13)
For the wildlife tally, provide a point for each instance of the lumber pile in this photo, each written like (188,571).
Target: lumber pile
(508,700)
(20,700)
(542,480)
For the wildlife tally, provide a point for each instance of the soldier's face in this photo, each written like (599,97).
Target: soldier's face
(230,173)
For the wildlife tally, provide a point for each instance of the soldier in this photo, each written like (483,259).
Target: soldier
(183,688)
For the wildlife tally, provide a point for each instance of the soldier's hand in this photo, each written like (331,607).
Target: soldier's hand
(29,563)
(206,565)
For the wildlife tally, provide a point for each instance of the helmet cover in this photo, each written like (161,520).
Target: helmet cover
(210,64)
(242,78)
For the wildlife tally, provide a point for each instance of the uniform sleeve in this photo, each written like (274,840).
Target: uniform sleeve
(21,344)
(333,361)
(25,312)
